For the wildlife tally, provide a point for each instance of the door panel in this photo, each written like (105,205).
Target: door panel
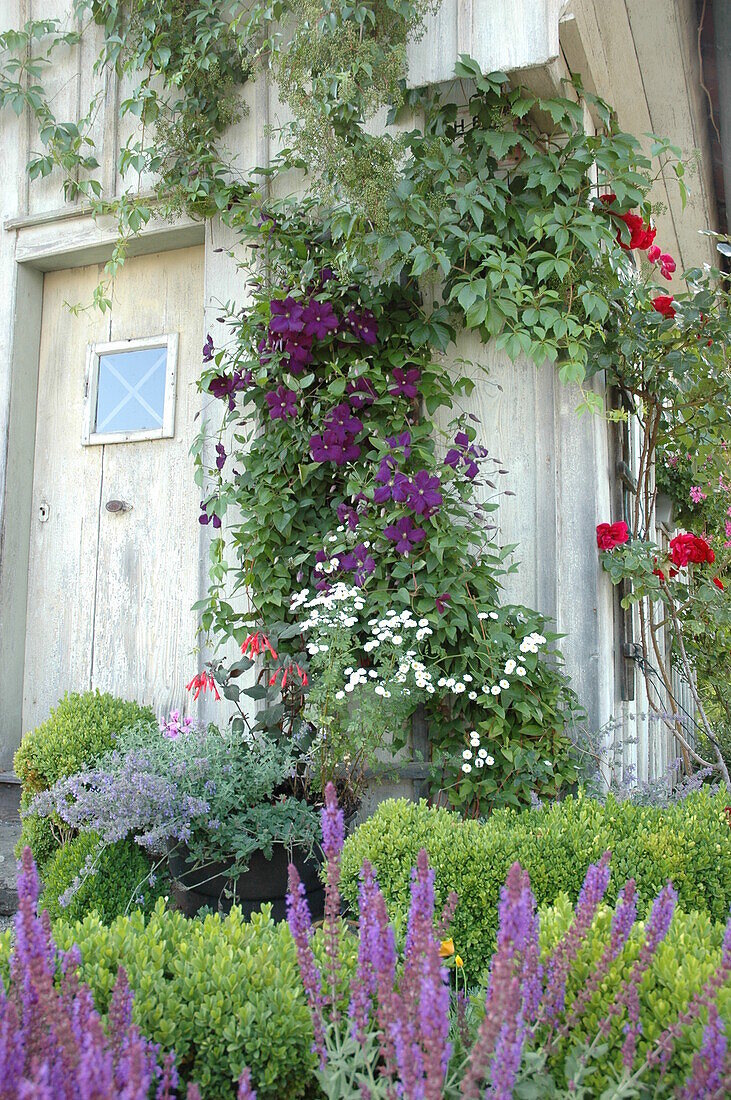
(65,516)
(148,574)
(110,593)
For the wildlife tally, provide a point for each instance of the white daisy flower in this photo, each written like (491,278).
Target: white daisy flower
(466,754)
(466,768)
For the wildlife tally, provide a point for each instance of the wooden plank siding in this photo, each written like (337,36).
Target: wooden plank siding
(639,54)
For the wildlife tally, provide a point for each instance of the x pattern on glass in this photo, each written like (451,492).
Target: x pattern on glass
(133,391)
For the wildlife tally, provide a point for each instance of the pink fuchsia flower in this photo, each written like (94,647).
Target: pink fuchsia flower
(424,495)
(286,317)
(282,403)
(609,535)
(320,319)
(203,681)
(257,643)
(697,494)
(405,382)
(663,304)
(404,534)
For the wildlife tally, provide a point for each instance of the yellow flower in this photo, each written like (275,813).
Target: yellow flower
(458,962)
(446,949)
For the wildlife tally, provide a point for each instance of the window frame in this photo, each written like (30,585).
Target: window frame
(89,435)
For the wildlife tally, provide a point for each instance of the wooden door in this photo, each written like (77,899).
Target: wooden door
(110,591)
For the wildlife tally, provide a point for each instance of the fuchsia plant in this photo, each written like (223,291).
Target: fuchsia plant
(389,1031)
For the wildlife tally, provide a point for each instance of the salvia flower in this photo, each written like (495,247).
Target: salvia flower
(707,1073)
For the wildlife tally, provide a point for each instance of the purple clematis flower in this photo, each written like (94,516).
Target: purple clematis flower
(395,485)
(286,316)
(348,515)
(204,517)
(424,495)
(220,456)
(404,534)
(465,453)
(208,349)
(282,403)
(341,417)
(225,387)
(363,325)
(441,602)
(360,393)
(330,447)
(398,442)
(320,319)
(405,382)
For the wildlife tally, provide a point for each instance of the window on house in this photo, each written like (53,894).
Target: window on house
(130,390)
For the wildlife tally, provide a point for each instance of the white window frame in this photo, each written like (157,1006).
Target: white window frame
(90,436)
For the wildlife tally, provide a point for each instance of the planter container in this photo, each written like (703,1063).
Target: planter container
(265,881)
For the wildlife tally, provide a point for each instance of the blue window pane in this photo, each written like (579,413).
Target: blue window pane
(131,390)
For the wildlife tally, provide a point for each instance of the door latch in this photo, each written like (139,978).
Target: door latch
(118,506)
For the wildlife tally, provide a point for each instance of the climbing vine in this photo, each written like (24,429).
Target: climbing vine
(497,211)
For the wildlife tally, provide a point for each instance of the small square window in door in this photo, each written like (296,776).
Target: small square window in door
(130,390)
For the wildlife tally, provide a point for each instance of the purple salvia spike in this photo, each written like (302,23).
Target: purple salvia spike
(169,1079)
(623,921)
(508,977)
(508,1051)
(663,1049)
(448,911)
(12,1050)
(560,962)
(434,1026)
(706,1079)
(246,1091)
(300,925)
(333,837)
(628,996)
(194,1093)
(363,987)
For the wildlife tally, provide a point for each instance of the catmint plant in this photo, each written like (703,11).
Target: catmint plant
(397,1029)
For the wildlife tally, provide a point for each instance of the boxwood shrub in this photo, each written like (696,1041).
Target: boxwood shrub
(223,992)
(689,843)
(120,881)
(78,730)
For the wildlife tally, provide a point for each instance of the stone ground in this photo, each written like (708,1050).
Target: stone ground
(9,833)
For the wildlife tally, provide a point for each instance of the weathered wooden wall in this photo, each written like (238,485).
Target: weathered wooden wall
(639,54)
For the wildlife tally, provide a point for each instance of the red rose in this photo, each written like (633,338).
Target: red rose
(687,548)
(609,535)
(664,304)
(609,198)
